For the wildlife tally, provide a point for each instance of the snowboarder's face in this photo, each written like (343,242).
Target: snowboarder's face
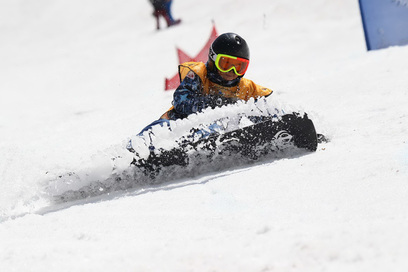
(228,76)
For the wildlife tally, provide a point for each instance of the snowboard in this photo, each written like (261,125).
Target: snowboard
(270,134)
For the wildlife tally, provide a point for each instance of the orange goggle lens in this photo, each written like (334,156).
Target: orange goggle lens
(226,63)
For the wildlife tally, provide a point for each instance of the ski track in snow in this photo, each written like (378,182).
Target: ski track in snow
(109,172)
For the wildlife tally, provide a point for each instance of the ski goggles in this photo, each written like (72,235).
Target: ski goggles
(226,63)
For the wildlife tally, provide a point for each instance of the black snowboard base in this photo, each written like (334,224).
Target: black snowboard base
(270,135)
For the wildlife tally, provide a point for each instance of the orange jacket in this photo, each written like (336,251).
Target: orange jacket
(245,89)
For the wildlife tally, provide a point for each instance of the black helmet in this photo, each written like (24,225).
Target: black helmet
(230,44)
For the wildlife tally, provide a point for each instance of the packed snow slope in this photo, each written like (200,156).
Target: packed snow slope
(79,78)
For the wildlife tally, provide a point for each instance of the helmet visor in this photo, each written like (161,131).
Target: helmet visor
(226,63)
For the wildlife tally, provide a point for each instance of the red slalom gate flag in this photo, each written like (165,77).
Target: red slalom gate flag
(173,82)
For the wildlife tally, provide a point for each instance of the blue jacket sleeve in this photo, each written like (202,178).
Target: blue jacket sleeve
(188,98)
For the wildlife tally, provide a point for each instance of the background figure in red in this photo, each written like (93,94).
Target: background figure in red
(162,8)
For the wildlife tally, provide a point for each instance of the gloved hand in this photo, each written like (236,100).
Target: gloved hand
(219,101)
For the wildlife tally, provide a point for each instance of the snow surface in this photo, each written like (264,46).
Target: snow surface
(79,78)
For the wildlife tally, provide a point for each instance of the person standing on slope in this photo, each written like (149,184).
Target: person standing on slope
(163,8)
(213,84)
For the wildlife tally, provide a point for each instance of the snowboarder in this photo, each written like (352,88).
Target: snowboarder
(216,83)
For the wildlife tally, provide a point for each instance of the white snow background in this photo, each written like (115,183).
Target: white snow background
(78,78)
